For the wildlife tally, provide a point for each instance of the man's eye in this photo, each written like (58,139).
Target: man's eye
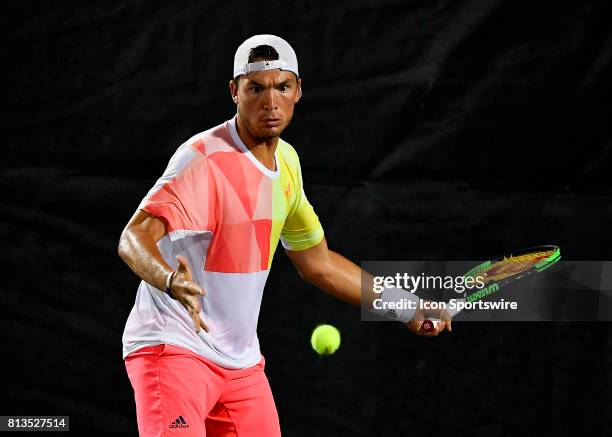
(283,88)
(256,89)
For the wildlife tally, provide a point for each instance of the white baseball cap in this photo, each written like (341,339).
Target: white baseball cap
(287,60)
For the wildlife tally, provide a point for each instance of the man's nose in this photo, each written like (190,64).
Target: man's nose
(270,102)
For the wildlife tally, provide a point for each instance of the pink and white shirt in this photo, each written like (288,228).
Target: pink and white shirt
(224,212)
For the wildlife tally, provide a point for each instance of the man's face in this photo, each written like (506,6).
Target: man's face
(266,100)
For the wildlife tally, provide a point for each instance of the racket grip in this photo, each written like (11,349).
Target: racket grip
(429,325)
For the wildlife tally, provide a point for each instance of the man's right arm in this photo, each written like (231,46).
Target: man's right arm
(138,248)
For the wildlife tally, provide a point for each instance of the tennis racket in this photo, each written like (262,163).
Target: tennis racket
(499,272)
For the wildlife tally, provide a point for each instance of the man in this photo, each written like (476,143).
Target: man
(202,242)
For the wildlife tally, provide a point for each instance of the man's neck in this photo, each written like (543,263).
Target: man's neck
(262,150)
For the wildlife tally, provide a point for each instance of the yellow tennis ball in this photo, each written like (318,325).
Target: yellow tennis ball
(325,339)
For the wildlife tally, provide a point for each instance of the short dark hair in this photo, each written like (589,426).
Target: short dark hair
(267,53)
(263,52)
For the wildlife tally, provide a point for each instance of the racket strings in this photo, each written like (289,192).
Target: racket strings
(512,265)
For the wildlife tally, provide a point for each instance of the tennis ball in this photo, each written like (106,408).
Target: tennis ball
(325,339)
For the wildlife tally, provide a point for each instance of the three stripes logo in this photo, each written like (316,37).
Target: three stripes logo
(391,314)
(180,422)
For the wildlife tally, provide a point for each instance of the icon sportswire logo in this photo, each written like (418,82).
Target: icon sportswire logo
(180,422)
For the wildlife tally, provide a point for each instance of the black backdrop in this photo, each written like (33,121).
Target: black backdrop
(428,130)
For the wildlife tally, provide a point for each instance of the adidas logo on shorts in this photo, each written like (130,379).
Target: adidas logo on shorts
(391,314)
(180,422)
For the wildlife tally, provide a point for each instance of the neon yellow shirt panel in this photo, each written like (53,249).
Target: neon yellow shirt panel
(293,218)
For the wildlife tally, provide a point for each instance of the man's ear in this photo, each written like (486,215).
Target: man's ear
(299,93)
(233,86)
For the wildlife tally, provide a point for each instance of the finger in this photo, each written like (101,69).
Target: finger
(194,306)
(203,325)
(446,318)
(183,266)
(196,320)
(195,290)
(441,326)
(417,326)
(434,332)
(182,263)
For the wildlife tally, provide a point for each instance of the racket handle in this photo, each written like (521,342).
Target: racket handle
(429,325)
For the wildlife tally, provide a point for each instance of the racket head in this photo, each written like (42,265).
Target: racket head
(516,265)
(505,269)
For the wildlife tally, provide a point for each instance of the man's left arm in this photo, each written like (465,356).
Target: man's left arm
(339,277)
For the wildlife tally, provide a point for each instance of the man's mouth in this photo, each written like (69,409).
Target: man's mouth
(271,122)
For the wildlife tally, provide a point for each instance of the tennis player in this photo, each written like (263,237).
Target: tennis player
(202,241)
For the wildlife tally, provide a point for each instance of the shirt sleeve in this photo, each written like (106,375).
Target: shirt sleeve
(182,197)
(302,229)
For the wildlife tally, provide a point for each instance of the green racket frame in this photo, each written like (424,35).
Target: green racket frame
(539,267)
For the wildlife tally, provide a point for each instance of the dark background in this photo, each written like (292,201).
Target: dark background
(428,130)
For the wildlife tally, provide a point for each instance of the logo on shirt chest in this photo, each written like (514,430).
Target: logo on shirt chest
(288,192)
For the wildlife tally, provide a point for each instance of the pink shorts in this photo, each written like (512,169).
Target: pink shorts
(178,392)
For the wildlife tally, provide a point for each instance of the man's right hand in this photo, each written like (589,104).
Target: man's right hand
(188,293)
(138,248)
(442,316)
